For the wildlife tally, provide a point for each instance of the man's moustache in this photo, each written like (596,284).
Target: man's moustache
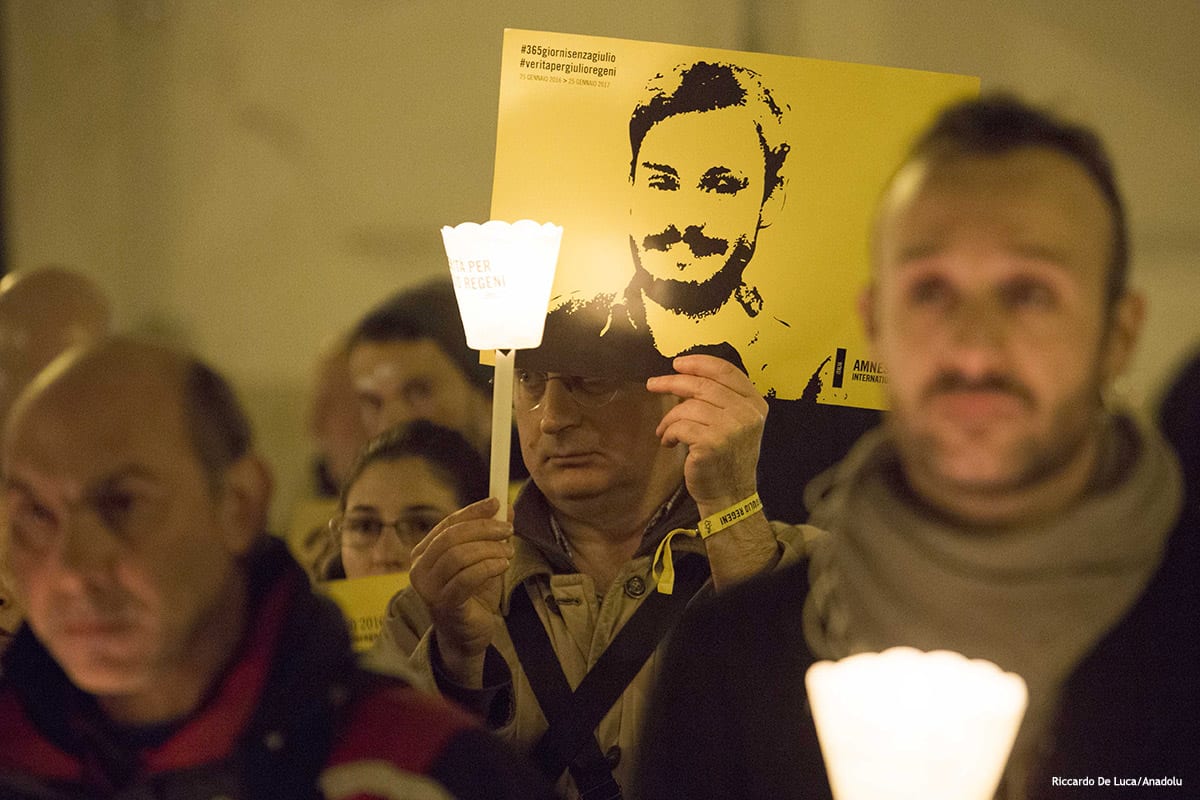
(693,236)
(956,382)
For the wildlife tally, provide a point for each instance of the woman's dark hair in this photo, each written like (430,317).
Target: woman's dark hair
(446,452)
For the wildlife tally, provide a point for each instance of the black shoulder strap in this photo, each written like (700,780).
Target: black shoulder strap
(570,741)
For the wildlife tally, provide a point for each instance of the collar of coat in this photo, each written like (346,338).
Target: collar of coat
(534,524)
(66,736)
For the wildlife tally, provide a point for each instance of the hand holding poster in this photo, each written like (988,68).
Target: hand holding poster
(712,201)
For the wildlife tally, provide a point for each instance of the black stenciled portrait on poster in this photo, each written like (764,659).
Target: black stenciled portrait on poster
(707,153)
(706,171)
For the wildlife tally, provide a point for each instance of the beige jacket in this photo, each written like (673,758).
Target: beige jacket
(580,626)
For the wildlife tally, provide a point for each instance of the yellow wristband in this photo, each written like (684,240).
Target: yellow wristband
(663,569)
(730,516)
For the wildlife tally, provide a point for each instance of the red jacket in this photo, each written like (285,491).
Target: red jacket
(294,717)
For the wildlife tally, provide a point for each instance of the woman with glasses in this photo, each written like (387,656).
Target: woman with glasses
(402,484)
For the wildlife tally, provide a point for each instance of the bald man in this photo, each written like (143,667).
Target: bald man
(171,647)
(43,312)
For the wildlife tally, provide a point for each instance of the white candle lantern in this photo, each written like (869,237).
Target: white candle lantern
(909,724)
(502,276)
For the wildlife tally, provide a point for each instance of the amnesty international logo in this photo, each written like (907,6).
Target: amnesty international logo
(866,371)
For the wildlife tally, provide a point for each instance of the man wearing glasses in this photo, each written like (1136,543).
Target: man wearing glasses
(617,467)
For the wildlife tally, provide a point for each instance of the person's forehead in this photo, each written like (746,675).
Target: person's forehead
(397,358)
(1029,173)
(1033,192)
(729,131)
(90,429)
(573,375)
(625,410)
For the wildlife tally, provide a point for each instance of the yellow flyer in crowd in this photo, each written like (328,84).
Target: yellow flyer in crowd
(364,602)
(711,201)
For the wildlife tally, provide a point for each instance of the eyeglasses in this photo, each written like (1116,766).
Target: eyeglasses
(530,389)
(362,531)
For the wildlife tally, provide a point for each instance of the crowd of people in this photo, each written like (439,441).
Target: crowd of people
(636,622)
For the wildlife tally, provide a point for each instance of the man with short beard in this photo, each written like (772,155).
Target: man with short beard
(1004,510)
(706,177)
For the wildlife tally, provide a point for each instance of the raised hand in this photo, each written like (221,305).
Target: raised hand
(721,421)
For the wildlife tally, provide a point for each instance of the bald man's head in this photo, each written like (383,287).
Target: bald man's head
(133,498)
(122,382)
(44,312)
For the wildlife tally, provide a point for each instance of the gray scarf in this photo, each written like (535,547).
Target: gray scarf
(1033,599)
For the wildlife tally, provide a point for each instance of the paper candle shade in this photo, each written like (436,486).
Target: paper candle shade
(910,724)
(502,276)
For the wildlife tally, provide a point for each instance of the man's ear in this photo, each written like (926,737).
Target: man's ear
(1124,330)
(245,500)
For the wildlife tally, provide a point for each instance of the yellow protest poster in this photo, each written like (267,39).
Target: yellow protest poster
(711,201)
(364,602)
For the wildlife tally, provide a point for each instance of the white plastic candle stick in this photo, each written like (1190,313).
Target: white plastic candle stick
(502,398)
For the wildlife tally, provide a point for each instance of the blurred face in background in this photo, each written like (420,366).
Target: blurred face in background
(404,380)
(123,552)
